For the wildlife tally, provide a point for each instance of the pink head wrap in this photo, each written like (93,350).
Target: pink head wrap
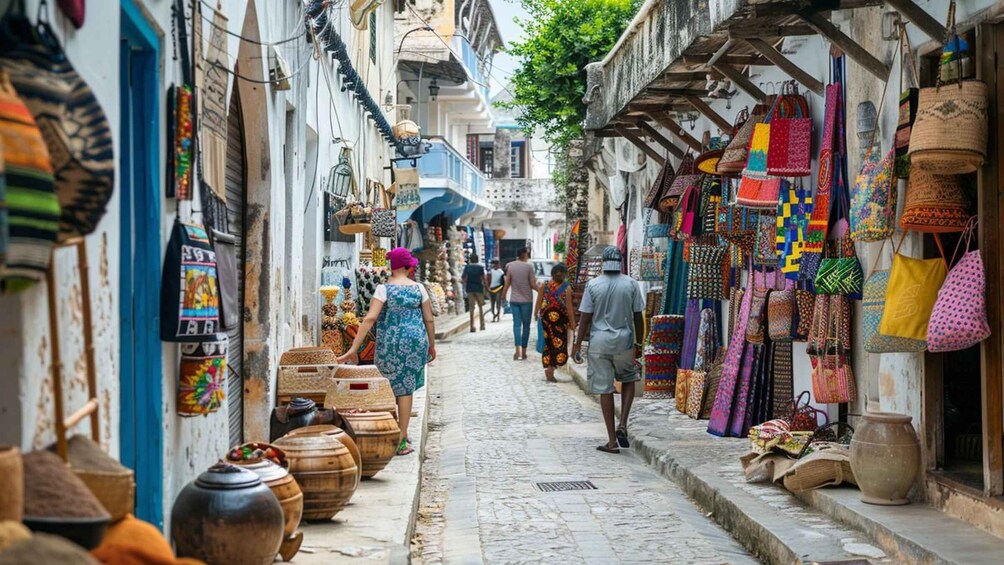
(401,258)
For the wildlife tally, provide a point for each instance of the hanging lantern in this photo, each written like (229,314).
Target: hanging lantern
(434,89)
(340,178)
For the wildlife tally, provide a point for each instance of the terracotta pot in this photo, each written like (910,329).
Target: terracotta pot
(325,471)
(377,436)
(290,497)
(12,495)
(885,457)
(227,515)
(342,436)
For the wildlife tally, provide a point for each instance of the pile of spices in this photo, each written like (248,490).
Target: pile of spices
(51,490)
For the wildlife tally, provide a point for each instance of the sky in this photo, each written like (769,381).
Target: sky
(503,65)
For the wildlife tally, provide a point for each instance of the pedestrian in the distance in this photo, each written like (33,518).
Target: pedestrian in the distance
(495,281)
(611,309)
(474,285)
(555,311)
(405,335)
(520,279)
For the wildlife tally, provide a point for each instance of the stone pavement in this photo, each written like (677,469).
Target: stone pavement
(376,526)
(495,429)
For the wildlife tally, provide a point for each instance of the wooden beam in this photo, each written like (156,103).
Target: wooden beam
(766,10)
(763,31)
(744,60)
(741,81)
(660,139)
(673,77)
(676,91)
(855,51)
(920,18)
(638,142)
(677,130)
(709,112)
(785,64)
(722,51)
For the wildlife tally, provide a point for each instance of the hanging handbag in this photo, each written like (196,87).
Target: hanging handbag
(805,301)
(840,275)
(907,104)
(872,307)
(766,247)
(704,276)
(793,211)
(781,315)
(685,214)
(384,219)
(959,318)
(831,316)
(189,295)
(756,189)
(949,136)
(225,248)
(934,203)
(833,379)
(662,183)
(707,207)
(873,200)
(790,150)
(736,154)
(409,193)
(830,170)
(652,264)
(682,184)
(202,376)
(756,327)
(910,295)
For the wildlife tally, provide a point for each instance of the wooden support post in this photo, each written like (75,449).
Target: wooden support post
(722,51)
(637,141)
(785,64)
(860,55)
(677,130)
(660,139)
(741,81)
(709,112)
(758,30)
(918,17)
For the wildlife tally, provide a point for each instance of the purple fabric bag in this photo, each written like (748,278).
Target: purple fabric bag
(692,323)
(722,408)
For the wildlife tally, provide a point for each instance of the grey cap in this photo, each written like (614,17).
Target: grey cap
(613,260)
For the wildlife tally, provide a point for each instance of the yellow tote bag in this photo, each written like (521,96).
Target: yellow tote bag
(910,296)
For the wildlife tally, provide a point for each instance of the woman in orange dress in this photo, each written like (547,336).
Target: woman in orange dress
(556,314)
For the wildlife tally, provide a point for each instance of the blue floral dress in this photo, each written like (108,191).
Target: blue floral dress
(402,343)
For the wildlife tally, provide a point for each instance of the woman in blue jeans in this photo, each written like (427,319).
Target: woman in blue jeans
(520,279)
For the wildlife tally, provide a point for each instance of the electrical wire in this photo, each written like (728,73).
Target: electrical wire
(249,40)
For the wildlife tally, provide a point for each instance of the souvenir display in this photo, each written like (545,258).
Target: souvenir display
(934,203)
(790,150)
(959,318)
(736,154)
(910,296)
(202,374)
(190,300)
(873,200)
(662,356)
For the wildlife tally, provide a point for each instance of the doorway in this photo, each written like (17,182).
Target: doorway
(141,386)
(236,200)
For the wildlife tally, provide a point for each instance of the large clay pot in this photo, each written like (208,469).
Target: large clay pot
(290,497)
(377,435)
(300,412)
(341,436)
(227,515)
(885,457)
(325,471)
(12,494)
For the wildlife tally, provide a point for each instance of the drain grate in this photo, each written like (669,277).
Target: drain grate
(562,486)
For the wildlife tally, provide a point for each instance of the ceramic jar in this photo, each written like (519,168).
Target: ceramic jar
(12,495)
(377,435)
(290,497)
(885,457)
(341,436)
(227,515)
(325,471)
(298,413)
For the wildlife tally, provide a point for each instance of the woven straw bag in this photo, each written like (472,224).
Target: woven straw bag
(934,203)
(949,135)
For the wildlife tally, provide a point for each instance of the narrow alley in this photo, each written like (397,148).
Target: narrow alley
(497,430)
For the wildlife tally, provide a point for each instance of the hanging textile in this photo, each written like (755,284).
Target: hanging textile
(721,411)
(572,253)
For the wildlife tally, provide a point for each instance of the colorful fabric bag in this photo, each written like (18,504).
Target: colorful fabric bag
(873,200)
(660,186)
(189,299)
(793,211)
(756,190)
(653,264)
(872,307)
(766,241)
(781,315)
(671,196)
(910,295)
(756,327)
(790,152)
(736,154)
(805,301)
(202,376)
(833,379)
(696,388)
(831,324)
(704,277)
(819,221)
(959,318)
(683,377)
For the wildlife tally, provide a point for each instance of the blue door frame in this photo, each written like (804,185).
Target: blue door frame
(141,396)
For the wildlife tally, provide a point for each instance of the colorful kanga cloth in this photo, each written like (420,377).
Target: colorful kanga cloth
(402,343)
(554,317)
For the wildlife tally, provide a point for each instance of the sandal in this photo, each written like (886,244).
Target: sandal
(622,438)
(403,448)
(607,449)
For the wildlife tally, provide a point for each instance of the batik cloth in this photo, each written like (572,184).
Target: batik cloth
(402,343)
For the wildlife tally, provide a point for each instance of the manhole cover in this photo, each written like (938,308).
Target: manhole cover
(562,486)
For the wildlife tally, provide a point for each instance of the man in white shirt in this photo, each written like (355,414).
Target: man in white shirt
(612,307)
(495,279)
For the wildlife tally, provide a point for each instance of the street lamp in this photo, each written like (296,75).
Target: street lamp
(340,178)
(434,89)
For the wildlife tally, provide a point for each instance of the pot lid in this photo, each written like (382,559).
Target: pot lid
(266,469)
(300,405)
(224,476)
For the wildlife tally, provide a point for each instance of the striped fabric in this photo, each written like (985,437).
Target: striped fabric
(31,204)
(74,127)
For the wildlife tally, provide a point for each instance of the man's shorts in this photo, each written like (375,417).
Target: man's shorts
(476,298)
(603,368)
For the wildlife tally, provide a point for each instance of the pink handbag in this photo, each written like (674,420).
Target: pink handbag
(959,318)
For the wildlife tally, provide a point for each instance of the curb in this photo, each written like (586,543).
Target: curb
(453,327)
(417,498)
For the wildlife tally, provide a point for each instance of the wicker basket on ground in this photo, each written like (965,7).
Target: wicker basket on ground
(111,483)
(360,387)
(306,372)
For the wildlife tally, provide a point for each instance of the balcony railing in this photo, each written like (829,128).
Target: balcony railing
(471,62)
(522,195)
(444,162)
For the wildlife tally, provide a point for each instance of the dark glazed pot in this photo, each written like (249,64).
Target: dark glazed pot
(299,413)
(227,515)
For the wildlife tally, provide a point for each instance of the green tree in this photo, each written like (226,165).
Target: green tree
(561,38)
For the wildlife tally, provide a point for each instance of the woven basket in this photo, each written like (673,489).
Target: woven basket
(112,484)
(949,136)
(308,356)
(308,381)
(826,467)
(934,204)
(361,387)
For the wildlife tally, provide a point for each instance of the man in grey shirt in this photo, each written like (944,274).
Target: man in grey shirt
(611,308)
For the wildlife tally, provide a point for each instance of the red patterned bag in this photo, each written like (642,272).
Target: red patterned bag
(790,153)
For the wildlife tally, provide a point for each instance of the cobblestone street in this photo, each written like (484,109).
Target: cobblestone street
(495,429)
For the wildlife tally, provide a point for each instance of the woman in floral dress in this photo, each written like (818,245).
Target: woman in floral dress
(405,335)
(557,315)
